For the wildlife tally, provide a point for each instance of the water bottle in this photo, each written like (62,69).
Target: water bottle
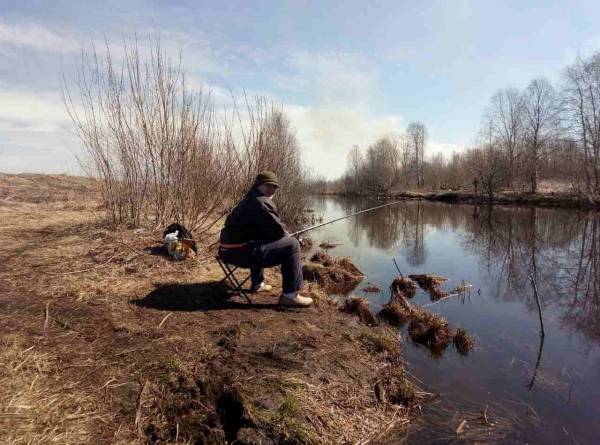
(172,242)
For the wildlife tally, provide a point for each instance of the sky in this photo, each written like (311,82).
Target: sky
(345,73)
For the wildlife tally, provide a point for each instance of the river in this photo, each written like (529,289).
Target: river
(534,392)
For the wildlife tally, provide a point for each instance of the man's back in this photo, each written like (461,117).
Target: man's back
(255,217)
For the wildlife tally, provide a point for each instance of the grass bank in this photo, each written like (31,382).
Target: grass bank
(105,340)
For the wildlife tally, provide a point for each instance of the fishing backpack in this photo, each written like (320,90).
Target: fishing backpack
(182,233)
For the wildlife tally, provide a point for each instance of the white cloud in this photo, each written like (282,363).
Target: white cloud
(446,148)
(34,36)
(330,79)
(326,135)
(31,112)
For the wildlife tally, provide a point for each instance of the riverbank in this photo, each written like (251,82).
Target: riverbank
(550,199)
(106,340)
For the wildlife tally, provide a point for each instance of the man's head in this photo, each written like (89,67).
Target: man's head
(266,182)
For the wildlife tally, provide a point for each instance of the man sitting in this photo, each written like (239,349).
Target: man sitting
(254,238)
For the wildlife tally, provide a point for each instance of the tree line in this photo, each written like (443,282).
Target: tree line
(541,132)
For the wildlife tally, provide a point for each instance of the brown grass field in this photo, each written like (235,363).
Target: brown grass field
(106,340)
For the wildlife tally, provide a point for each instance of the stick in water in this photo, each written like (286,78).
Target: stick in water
(539,306)
(396,264)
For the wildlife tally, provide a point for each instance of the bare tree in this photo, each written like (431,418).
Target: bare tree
(582,99)
(540,123)
(417,135)
(353,171)
(491,168)
(505,117)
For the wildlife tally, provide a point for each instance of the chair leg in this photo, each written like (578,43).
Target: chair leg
(232,281)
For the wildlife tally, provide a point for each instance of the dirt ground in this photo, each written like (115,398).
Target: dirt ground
(106,340)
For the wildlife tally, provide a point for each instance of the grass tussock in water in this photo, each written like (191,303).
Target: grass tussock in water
(321,257)
(431,284)
(463,341)
(360,307)
(328,245)
(404,285)
(431,330)
(334,275)
(395,314)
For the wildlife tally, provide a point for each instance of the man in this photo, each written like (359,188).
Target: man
(255,238)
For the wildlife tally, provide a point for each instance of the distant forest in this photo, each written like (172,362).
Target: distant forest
(544,132)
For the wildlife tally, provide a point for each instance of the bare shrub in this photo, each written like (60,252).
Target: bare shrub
(161,150)
(152,140)
(266,141)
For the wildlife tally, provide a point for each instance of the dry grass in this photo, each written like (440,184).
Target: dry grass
(334,275)
(395,314)
(431,284)
(495,422)
(329,245)
(360,307)
(36,408)
(373,288)
(430,330)
(131,335)
(404,285)
(463,341)
(426,281)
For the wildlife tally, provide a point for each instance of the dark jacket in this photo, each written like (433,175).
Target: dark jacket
(254,218)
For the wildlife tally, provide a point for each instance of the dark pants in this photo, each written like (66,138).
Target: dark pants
(256,255)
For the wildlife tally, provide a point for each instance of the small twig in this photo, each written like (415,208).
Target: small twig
(396,264)
(46,316)
(164,319)
(461,427)
(539,306)
(138,411)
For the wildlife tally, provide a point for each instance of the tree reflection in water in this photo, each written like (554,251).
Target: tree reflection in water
(560,248)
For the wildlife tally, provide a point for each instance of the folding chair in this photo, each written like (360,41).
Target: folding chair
(232,282)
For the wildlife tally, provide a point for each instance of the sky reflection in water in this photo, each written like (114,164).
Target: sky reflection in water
(495,250)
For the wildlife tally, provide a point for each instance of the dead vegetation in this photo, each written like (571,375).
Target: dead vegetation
(335,275)
(426,328)
(360,307)
(430,330)
(373,289)
(406,286)
(394,314)
(107,341)
(431,284)
(463,341)
(328,245)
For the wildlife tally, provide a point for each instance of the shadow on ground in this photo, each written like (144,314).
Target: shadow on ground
(208,296)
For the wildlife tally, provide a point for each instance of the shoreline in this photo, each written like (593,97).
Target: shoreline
(546,200)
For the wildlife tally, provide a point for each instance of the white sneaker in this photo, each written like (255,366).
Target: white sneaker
(262,287)
(294,300)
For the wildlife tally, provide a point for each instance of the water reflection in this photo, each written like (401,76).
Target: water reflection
(496,249)
(561,249)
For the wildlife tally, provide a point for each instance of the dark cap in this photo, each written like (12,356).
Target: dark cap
(266,177)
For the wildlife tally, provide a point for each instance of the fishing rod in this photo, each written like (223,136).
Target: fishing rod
(296,234)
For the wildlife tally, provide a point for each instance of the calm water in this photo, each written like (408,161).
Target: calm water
(495,251)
